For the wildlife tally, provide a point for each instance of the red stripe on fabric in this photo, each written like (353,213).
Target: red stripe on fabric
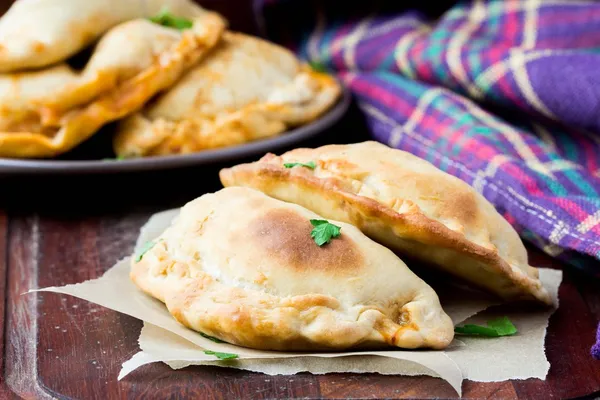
(591,152)
(384,48)
(574,210)
(504,87)
(431,123)
(381,95)
(495,53)
(512,24)
(551,20)
(376,58)
(518,173)
(482,151)
(582,41)
(459,137)
(486,152)
(511,220)
(337,57)
(420,63)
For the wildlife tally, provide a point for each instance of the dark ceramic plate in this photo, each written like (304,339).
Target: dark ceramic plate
(93,157)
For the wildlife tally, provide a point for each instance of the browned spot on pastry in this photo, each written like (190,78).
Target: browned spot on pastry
(268,157)
(453,201)
(260,278)
(462,206)
(285,235)
(38,47)
(341,166)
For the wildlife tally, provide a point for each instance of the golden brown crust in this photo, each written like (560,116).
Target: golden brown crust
(402,224)
(220,269)
(213,106)
(78,124)
(38,34)
(285,236)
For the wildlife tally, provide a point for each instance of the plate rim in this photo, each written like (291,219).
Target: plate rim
(19,166)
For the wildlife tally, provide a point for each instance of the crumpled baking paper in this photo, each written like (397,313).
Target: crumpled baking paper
(163,339)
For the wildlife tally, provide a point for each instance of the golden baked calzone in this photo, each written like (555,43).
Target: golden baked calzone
(245,89)
(48,112)
(407,204)
(38,33)
(245,268)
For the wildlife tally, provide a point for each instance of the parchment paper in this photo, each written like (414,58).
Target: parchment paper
(481,359)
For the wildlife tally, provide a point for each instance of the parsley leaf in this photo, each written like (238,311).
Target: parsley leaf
(503,326)
(495,328)
(165,18)
(221,356)
(317,66)
(310,164)
(323,231)
(145,248)
(475,330)
(214,339)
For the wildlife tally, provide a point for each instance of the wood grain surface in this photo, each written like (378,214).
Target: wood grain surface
(60,230)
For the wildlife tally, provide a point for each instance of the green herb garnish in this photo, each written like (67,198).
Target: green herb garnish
(165,18)
(310,164)
(221,356)
(214,339)
(145,248)
(495,328)
(317,66)
(323,231)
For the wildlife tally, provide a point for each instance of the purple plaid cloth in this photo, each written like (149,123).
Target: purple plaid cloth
(505,95)
(596,348)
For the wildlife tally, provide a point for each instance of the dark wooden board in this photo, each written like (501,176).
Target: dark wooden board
(61,346)
(55,231)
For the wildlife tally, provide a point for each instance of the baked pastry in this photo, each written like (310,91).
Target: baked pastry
(242,267)
(36,34)
(405,203)
(245,89)
(47,112)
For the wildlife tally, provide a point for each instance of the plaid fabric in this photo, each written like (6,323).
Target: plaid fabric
(505,95)
(596,348)
(502,94)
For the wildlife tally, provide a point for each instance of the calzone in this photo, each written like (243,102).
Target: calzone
(47,112)
(407,204)
(39,33)
(245,89)
(244,268)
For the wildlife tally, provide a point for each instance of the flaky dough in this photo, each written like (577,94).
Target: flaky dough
(50,111)
(39,33)
(407,204)
(245,89)
(241,266)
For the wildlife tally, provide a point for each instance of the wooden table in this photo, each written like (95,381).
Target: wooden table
(60,230)
(55,231)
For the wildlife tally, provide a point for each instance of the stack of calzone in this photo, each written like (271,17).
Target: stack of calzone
(305,251)
(169,71)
